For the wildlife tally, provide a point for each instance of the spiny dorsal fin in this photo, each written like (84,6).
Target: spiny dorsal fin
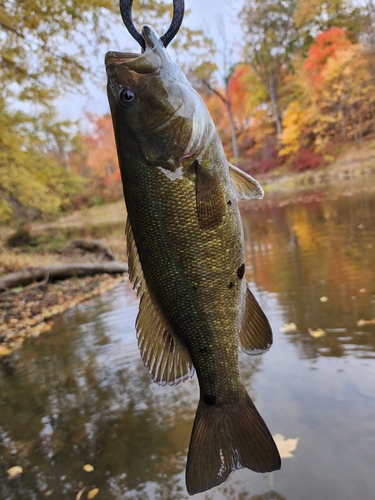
(245,187)
(256,334)
(166,359)
(210,201)
(134,264)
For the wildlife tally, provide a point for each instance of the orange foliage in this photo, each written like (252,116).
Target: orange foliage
(100,146)
(239,91)
(326,45)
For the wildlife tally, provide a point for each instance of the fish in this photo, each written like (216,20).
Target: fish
(186,258)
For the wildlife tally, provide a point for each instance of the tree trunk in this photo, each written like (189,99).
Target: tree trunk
(60,271)
(231,121)
(272,87)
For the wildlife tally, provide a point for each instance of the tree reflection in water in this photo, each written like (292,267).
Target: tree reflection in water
(81,395)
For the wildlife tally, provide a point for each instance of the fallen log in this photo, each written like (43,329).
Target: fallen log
(60,271)
(95,246)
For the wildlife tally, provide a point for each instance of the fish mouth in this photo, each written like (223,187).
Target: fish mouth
(119,57)
(148,62)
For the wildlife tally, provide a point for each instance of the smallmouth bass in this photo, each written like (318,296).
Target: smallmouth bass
(186,258)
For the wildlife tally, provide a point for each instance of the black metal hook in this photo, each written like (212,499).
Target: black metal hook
(178,14)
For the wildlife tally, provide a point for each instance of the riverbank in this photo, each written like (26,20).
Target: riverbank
(28,311)
(97,234)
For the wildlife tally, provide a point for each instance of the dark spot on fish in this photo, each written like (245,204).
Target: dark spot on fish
(203,350)
(230,285)
(241,271)
(229,202)
(209,399)
(195,287)
(168,340)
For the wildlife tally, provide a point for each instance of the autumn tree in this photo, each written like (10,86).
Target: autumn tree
(270,38)
(333,95)
(46,49)
(313,17)
(100,156)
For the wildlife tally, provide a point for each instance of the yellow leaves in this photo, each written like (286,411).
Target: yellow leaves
(364,322)
(14,471)
(293,128)
(316,334)
(288,328)
(4,351)
(92,493)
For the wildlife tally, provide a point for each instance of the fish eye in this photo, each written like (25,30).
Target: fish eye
(126,97)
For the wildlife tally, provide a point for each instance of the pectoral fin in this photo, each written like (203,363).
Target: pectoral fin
(166,359)
(210,200)
(245,187)
(256,334)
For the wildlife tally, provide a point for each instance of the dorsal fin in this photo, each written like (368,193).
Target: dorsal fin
(256,334)
(134,265)
(163,354)
(245,187)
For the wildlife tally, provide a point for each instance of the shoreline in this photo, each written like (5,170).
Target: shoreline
(27,312)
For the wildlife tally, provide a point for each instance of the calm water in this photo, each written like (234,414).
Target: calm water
(80,394)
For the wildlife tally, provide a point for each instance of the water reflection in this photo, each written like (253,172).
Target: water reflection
(81,395)
(324,249)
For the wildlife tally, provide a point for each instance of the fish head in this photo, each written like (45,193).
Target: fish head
(156,113)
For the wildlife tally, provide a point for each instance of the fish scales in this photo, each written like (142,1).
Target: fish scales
(186,258)
(195,287)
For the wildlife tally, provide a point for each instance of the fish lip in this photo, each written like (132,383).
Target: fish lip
(119,57)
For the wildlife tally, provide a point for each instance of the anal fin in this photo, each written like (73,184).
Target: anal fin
(255,335)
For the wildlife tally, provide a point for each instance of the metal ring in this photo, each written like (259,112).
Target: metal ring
(178,15)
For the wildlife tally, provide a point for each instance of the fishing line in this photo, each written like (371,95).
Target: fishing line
(178,15)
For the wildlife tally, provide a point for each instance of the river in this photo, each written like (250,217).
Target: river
(81,395)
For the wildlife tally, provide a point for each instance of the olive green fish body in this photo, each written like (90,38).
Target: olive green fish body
(186,258)
(195,276)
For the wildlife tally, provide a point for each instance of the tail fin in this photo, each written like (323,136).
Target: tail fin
(225,439)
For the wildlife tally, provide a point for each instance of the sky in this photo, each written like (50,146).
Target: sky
(205,15)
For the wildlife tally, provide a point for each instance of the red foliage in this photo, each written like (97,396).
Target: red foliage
(326,45)
(266,159)
(306,160)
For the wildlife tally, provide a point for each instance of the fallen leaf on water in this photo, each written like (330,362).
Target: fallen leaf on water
(15,471)
(288,327)
(92,493)
(285,446)
(4,351)
(88,468)
(363,322)
(362,290)
(79,494)
(316,334)
(324,299)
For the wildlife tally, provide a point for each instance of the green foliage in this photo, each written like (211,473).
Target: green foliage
(31,180)
(46,48)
